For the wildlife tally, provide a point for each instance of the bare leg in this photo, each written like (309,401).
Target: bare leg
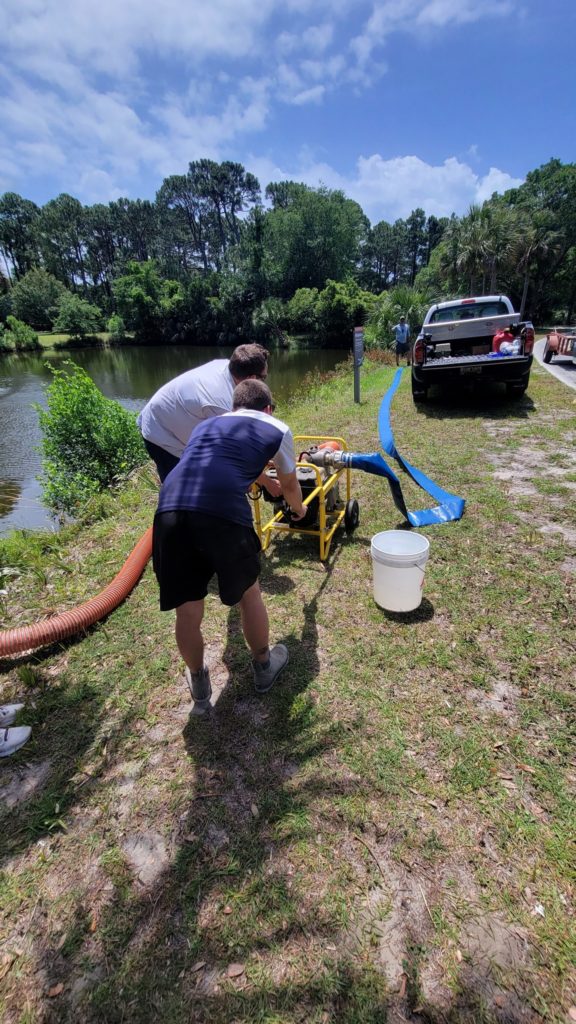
(255,622)
(189,635)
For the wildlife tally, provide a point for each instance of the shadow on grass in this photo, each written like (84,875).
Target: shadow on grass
(423,613)
(262,758)
(490,401)
(40,784)
(231,895)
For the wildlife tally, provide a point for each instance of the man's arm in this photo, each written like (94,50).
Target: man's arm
(292,493)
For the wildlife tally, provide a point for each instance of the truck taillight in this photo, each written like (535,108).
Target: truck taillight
(419,351)
(528,341)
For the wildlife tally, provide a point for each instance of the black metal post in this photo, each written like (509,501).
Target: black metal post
(358,356)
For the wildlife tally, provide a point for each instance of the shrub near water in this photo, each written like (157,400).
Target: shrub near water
(19,337)
(89,441)
(116,328)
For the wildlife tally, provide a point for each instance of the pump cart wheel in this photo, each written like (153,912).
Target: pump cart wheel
(351,515)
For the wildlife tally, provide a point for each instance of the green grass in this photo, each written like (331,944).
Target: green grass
(411,777)
(50,340)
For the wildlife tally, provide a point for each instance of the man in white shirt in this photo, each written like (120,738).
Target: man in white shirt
(402,336)
(170,416)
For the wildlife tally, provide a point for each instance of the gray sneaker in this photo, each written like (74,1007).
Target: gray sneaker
(200,686)
(8,714)
(12,739)
(266,672)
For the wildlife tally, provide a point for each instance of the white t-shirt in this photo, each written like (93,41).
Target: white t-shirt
(178,406)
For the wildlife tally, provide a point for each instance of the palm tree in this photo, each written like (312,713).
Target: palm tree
(269,317)
(536,241)
(503,236)
(473,247)
(448,258)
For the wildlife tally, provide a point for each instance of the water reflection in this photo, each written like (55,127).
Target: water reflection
(9,496)
(129,375)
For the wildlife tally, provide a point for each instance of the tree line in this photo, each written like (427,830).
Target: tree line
(214,260)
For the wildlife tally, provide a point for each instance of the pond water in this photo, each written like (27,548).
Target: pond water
(129,375)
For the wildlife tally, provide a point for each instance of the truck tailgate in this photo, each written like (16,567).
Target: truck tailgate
(482,328)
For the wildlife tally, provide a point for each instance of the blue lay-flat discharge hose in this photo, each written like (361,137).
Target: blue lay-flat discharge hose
(450,506)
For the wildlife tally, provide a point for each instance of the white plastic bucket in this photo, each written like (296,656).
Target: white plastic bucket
(398,562)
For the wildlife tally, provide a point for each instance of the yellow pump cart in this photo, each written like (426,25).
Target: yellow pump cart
(320,492)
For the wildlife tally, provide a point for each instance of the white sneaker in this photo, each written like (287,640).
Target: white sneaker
(12,739)
(8,714)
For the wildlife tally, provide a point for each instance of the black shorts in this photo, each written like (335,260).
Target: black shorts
(164,460)
(401,348)
(189,548)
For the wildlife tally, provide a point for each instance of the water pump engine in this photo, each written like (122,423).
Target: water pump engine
(308,480)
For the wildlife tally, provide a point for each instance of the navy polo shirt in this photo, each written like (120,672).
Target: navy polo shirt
(223,457)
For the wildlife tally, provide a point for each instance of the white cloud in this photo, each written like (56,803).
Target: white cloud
(401,184)
(313,95)
(45,155)
(413,16)
(98,187)
(495,181)
(317,38)
(185,135)
(110,35)
(288,79)
(389,189)
(105,96)
(461,12)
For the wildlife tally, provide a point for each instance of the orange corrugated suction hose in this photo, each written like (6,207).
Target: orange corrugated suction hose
(74,621)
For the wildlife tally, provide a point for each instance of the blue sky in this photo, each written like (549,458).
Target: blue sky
(400,103)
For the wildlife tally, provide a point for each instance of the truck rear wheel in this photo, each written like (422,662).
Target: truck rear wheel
(419,394)
(515,390)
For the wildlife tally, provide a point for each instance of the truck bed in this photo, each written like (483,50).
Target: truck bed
(452,361)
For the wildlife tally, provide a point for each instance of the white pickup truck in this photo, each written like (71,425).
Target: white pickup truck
(454,346)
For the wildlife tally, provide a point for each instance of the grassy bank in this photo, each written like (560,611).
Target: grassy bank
(387,835)
(49,340)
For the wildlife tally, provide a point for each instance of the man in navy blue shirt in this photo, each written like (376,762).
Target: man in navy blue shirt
(203,527)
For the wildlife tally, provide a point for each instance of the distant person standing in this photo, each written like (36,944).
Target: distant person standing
(402,336)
